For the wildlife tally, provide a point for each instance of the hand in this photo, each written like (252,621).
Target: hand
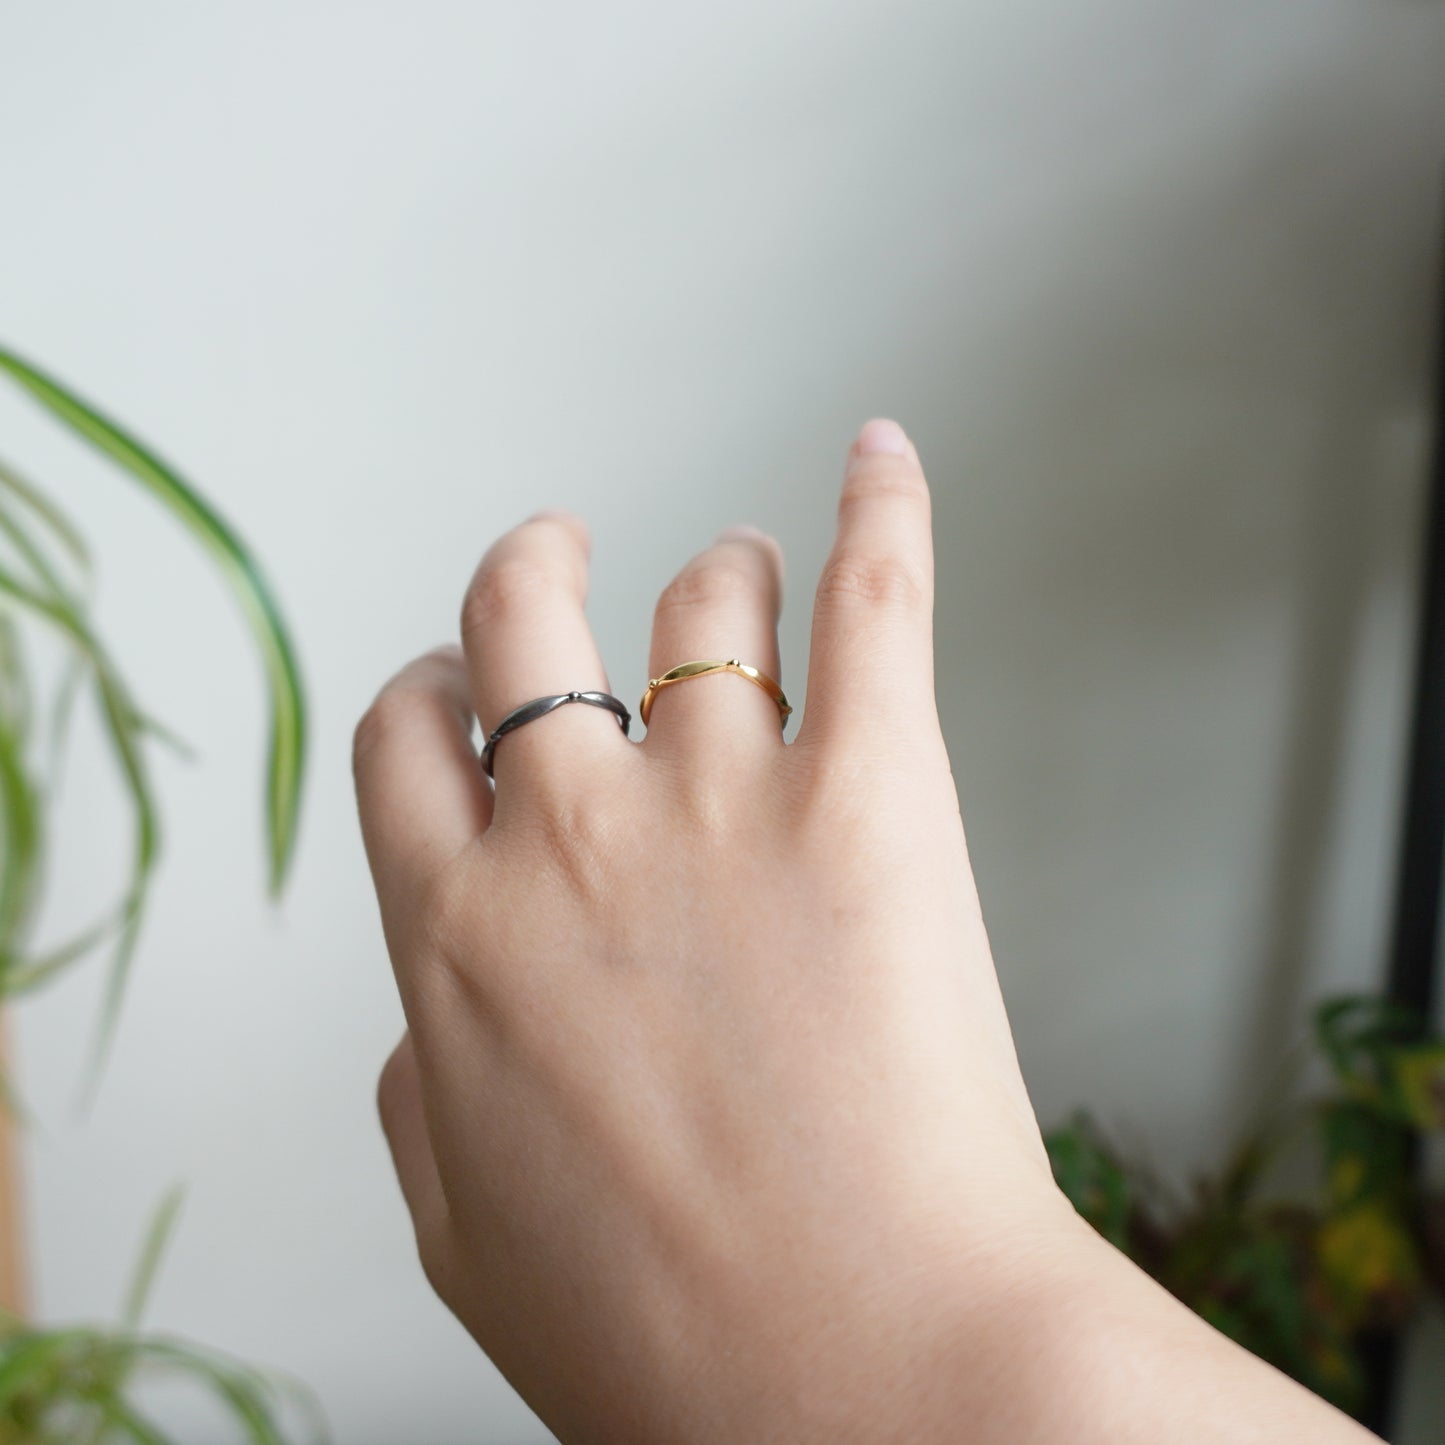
(708,1115)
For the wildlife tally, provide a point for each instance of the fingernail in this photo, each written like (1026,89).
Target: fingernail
(741,533)
(881,435)
(568,520)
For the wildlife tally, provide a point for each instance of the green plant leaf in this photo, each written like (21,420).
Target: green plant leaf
(248,1394)
(1418,1076)
(1370,1258)
(84,1375)
(21,823)
(16,697)
(22,827)
(119,1419)
(1357,1033)
(158,1235)
(60,526)
(123,729)
(27,1357)
(288,712)
(1387,1058)
(69,1385)
(1252,1276)
(1365,1153)
(22,975)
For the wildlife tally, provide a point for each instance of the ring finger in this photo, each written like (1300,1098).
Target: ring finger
(723,604)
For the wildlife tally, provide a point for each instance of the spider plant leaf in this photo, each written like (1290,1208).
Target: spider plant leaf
(60,526)
(36,562)
(123,719)
(288,711)
(16,696)
(62,711)
(247,1394)
(22,821)
(22,828)
(158,1235)
(120,718)
(123,1422)
(21,975)
(167,737)
(14,1105)
(29,1358)
(249,1405)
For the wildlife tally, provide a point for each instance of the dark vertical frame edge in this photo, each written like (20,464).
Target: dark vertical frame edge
(1413,961)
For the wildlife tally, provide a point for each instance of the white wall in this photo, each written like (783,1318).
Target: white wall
(1149,282)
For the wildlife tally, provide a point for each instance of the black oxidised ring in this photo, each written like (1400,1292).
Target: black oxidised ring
(541,706)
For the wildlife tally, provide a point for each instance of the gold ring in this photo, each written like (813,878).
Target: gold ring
(701,669)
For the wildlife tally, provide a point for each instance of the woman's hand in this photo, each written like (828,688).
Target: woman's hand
(708,1115)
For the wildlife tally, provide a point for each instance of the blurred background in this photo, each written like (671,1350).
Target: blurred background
(1152,284)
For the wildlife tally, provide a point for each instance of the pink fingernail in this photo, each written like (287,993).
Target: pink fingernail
(882,435)
(742,533)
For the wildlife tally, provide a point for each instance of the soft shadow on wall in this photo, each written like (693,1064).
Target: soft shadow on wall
(1221,517)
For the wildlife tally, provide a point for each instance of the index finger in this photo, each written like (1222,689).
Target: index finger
(420,789)
(870,672)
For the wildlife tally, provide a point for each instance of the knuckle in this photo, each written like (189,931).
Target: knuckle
(387,1084)
(711,812)
(578,840)
(396,1086)
(500,591)
(435,1258)
(876,580)
(709,816)
(704,584)
(834,796)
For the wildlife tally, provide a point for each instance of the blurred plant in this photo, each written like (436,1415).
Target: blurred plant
(1299,1282)
(44,567)
(78,1386)
(75,1384)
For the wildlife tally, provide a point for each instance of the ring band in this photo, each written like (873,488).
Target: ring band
(702,669)
(541,706)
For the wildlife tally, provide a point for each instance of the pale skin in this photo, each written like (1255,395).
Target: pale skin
(707,1114)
